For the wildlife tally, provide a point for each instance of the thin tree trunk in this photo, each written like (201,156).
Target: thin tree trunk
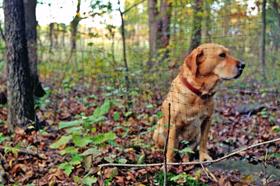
(207,21)
(74,26)
(153,30)
(20,96)
(51,28)
(165,18)
(276,7)
(127,82)
(63,26)
(31,37)
(3,76)
(196,26)
(262,52)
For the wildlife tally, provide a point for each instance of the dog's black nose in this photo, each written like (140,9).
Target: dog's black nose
(241,65)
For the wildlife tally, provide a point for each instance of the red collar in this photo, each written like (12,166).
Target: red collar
(195,90)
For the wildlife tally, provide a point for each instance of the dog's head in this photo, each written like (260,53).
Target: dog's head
(213,59)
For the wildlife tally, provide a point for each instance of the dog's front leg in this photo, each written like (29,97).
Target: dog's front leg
(171,143)
(205,127)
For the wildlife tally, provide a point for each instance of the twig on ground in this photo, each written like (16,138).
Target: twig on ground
(193,162)
(166,146)
(209,174)
(27,152)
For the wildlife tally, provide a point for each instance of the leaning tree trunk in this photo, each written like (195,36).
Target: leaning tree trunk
(20,95)
(196,26)
(31,37)
(74,26)
(153,30)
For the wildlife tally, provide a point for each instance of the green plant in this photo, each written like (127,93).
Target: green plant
(2,138)
(80,140)
(45,100)
(177,179)
(186,150)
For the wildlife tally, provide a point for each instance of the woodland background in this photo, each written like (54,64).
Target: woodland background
(98,91)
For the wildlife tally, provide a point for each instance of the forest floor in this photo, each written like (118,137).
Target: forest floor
(242,118)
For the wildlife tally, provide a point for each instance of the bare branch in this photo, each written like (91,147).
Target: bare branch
(132,6)
(193,162)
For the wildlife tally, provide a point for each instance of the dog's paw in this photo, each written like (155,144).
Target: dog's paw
(204,156)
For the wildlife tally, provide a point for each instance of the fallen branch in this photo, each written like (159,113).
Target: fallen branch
(27,152)
(192,162)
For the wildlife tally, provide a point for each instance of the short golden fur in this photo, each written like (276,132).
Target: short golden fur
(191,115)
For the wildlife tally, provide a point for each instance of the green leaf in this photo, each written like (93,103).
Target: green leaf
(275,155)
(66,124)
(74,130)
(2,137)
(66,167)
(186,150)
(141,159)
(149,106)
(91,151)
(81,141)
(76,159)
(182,176)
(89,180)
(127,114)
(13,150)
(104,109)
(102,138)
(62,141)
(122,160)
(116,116)
(69,150)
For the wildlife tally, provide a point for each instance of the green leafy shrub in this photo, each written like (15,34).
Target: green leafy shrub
(81,141)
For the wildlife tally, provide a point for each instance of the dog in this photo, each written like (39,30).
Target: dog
(189,104)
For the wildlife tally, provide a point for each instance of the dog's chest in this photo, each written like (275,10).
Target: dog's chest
(190,128)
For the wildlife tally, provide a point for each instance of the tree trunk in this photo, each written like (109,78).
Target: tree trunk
(20,96)
(262,52)
(196,26)
(276,7)
(3,98)
(127,82)
(51,29)
(207,7)
(165,18)
(64,31)
(74,26)
(153,29)
(31,37)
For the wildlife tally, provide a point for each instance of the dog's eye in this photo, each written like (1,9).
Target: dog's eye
(223,55)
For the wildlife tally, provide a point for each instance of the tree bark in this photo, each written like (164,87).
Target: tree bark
(153,29)
(20,95)
(262,51)
(276,7)
(165,18)
(196,26)
(207,7)
(51,30)
(31,37)
(127,82)
(74,26)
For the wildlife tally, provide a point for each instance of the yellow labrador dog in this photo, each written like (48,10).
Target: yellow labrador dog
(191,98)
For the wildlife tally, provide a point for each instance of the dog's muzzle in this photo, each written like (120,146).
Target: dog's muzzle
(240,67)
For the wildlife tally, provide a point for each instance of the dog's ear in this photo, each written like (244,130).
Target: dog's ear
(192,60)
